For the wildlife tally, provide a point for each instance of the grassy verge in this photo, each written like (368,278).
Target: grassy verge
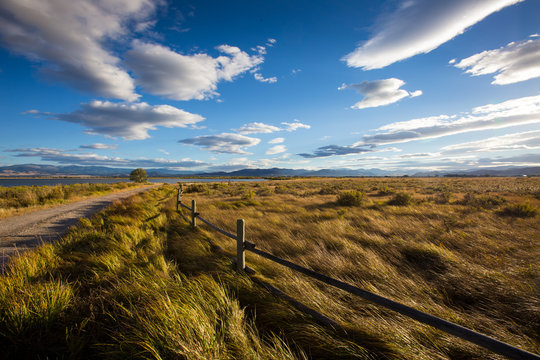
(106,290)
(21,199)
(137,282)
(460,249)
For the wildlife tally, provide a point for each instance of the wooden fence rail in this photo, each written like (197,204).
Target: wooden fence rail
(464,333)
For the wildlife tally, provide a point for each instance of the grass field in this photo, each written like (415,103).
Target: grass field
(20,199)
(137,281)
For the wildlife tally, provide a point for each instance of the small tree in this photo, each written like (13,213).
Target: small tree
(138,175)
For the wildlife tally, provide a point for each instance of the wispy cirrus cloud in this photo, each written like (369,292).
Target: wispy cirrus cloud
(99,146)
(257,128)
(223,143)
(515,62)
(332,150)
(509,113)
(277,140)
(129,121)
(68,39)
(528,140)
(380,92)
(419,26)
(60,156)
(277,149)
(262,128)
(165,72)
(514,112)
(295,125)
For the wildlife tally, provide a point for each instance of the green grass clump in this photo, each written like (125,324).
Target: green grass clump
(108,290)
(195,188)
(351,198)
(25,196)
(524,210)
(483,201)
(401,199)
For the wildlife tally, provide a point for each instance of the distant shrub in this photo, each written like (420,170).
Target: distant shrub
(195,188)
(401,199)
(250,195)
(443,197)
(384,190)
(351,198)
(520,210)
(483,201)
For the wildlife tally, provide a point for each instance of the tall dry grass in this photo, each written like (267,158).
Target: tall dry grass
(444,246)
(19,199)
(107,290)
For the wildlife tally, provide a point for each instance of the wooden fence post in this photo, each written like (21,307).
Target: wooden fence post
(240,244)
(178,198)
(194,213)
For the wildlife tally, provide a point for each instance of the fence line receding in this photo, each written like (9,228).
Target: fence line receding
(464,333)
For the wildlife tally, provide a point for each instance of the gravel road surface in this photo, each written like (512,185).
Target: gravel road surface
(26,231)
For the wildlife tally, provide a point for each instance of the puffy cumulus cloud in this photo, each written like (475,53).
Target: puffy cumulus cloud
(68,39)
(295,125)
(380,92)
(278,149)
(99,146)
(129,121)
(162,71)
(257,128)
(419,26)
(277,140)
(223,143)
(515,62)
(332,150)
(63,157)
(529,140)
(509,113)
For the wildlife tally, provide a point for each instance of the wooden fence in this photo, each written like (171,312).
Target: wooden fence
(464,333)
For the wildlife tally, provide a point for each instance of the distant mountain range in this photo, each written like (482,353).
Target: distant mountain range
(74,170)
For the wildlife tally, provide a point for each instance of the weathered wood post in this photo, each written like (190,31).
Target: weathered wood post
(194,213)
(240,245)
(178,197)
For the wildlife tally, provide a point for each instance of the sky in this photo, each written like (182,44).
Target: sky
(397,85)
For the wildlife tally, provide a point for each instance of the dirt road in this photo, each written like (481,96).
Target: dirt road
(22,232)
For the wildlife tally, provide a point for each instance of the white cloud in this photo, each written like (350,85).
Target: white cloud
(277,140)
(295,125)
(223,143)
(380,92)
(262,128)
(515,62)
(529,140)
(509,113)
(276,150)
(68,39)
(420,26)
(162,71)
(99,146)
(333,150)
(63,157)
(257,128)
(261,78)
(129,121)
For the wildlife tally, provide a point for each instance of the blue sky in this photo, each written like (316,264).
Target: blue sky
(213,85)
